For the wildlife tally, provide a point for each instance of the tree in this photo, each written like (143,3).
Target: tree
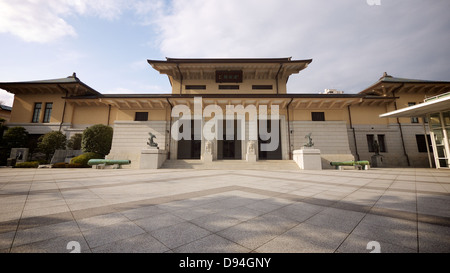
(2,127)
(74,142)
(50,142)
(97,139)
(15,137)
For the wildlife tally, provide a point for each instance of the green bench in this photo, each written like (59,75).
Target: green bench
(362,164)
(102,163)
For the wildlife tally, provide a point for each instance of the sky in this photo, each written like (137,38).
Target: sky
(107,42)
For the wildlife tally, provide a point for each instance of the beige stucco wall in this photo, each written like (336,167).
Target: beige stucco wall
(5,114)
(330,114)
(128,115)
(245,87)
(90,115)
(23,106)
(404,99)
(368,114)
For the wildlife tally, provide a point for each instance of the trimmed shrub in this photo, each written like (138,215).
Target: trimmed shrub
(50,142)
(97,139)
(28,164)
(74,142)
(15,137)
(83,159)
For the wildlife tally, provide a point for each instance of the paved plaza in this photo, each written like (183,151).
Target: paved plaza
(232,211)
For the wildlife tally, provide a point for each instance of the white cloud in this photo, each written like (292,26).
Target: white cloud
(32,21)
(44,21)
(351,43)
(136,89)
(119,90)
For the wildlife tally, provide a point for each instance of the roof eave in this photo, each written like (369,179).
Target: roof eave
(228,60)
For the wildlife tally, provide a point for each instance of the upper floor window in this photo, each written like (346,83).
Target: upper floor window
(413,119)
(318,116)
(262,87)
(202,87)
(48,112)
(229,87)
(141,116)
(36,112)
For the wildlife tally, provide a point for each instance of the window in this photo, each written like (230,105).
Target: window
(413,119)
(370,141)
(229,87)
(422,144)
(262,87)
(36,112)
(141,116)
(380,140)
(381,143)
(318,116)
(202,87)
(48,112)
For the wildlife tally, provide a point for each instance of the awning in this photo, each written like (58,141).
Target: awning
(432,105)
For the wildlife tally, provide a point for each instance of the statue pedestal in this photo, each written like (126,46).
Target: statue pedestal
(207,157)
(152,158)
(308,158)
(250,157)
(19,154)
(376,161)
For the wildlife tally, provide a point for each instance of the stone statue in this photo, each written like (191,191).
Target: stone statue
(208,149)
(376,147)
(151,142)
(251,147)
(309,143)
(19,155)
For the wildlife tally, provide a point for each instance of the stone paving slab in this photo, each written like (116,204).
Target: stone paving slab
(225,211)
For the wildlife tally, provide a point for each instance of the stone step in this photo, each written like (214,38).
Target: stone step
(232,164)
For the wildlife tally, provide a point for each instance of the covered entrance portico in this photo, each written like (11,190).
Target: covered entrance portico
(436,110)
(232,145)
(233,134)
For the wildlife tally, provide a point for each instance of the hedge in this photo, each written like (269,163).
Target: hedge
(28,164)
(84,158)
(67,165)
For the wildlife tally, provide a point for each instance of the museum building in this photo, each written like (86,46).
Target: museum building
(343,127)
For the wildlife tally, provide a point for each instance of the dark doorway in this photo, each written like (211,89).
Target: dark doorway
(275,154)
(229,147)
(189,148)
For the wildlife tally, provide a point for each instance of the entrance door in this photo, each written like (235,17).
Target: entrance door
(440,126)
(229,147)
(275,154)
(189,148)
